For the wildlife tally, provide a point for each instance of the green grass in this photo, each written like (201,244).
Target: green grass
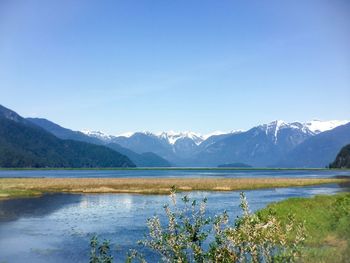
(18,193)
(327,222)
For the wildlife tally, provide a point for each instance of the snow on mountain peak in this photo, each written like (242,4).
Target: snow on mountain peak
(272,128)
(172,136)
(318,126)
(126,134)
(214,133)
(311,127)
(197,138)
(97,134)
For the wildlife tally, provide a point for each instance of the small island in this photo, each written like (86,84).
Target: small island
(234,165)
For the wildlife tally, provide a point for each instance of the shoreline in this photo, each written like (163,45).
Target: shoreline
(31,187)
(170,169)
(326,220)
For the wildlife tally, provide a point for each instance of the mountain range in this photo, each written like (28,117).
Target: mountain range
(319,150)
(24,144)
(276,144)
(144,159)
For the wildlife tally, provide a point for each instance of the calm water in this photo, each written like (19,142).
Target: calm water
(172,173)
(57,227)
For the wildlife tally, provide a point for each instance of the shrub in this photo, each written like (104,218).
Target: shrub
(191,236)
(100,253)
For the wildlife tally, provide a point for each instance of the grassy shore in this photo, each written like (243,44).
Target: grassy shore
(327,222)
(19,187)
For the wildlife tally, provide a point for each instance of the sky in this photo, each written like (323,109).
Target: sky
(158,65)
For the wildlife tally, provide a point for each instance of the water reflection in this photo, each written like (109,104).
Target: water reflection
(35,207)
(345,186)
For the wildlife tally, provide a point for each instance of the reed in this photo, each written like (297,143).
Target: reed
(14,187)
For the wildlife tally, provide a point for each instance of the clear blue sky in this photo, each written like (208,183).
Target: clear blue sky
(156,65)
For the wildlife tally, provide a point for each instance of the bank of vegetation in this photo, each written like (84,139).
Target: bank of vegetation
(327,223)
(19,187)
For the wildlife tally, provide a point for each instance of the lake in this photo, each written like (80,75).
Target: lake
(57,227)
(192,173)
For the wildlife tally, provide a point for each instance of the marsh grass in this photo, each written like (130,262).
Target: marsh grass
(16,187)
(9,193)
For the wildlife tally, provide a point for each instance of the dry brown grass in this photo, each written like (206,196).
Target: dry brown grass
(10,186)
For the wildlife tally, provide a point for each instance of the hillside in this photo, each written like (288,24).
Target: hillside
(23,144)
(276,144)
(343,158)
(147,159)
(319,150)
(61,132)
(259,146)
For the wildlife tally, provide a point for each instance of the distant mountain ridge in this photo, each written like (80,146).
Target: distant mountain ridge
(146,159)
(275,144)
(314,126)
(24,144)
(61,132)
(319,150)
(260,146)
(176,147)
(170,137)
(343,158)
(318,126)
(263,145)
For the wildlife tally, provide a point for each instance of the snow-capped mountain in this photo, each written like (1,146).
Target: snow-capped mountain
(311,127)
(99,135)
(259,146)
(146,159)
(170,145)
(172,137)
(262,145)
(318,126)
(319,150)
(274,128)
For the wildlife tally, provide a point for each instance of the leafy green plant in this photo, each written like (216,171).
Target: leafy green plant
(190,235)
(256,239)
(100,253)
(185,237)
